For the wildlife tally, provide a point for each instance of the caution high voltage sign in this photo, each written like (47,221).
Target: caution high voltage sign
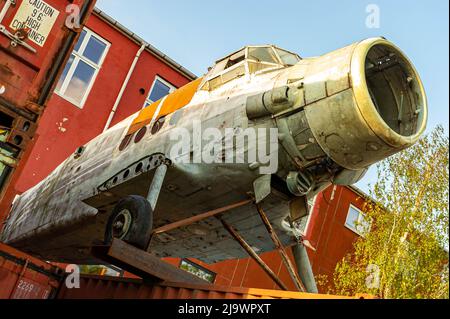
(38,16)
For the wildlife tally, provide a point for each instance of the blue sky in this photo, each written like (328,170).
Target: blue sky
(195,33)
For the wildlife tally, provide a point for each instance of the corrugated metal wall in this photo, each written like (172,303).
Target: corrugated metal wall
(94,287)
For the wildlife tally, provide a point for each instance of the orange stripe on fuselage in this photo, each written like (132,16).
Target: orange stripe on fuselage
(173,102)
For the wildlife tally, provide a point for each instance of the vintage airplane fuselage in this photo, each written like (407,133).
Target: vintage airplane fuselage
(334,116)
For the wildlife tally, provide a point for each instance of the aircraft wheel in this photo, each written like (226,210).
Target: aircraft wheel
(131,221)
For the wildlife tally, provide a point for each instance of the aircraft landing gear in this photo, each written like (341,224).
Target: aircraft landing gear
(132,218)
(130,221)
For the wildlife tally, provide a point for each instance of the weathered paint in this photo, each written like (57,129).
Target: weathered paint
(58,204)
(64,127)
(173,102)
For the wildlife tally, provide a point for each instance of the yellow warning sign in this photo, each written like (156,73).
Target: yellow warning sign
(37,16)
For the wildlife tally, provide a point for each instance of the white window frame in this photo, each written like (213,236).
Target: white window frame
(79,56)
(158,78)
(361,214)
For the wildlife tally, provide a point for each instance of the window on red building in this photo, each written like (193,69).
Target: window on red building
(160,88)
(357,221)
(80,72)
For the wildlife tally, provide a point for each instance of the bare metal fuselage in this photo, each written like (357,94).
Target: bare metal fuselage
(334,121)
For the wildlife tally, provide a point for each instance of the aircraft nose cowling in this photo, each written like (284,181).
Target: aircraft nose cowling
(364,103)
(354,106)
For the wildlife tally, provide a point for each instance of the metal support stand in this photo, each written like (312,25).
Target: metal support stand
(304,267)
(253,254)
(279,246)
(200,217)
(297,277)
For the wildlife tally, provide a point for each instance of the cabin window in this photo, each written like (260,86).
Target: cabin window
(255,67)
(234,73)
(159,124)
(125,142)
(263,54)
(288,58)
(82,68)
(198,270)
(235,59)
(160,88)
(251,60)
(357,221)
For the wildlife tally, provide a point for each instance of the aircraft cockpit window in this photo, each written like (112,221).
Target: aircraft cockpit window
(235,59)
(288,58)
(226,70)
(263,54)
(251,60)
(228,63)
(256,67)
(230,74)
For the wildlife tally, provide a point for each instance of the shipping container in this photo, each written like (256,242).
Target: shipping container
(25,277)
(36,38)
(96,287)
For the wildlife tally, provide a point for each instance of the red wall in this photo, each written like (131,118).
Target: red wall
(64,127)
(327,231)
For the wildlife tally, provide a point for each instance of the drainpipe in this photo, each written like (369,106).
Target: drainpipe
(124,86)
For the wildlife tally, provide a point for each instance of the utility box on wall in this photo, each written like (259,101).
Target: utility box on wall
(36,39)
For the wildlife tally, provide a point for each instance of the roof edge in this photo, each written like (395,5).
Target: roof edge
(149,48)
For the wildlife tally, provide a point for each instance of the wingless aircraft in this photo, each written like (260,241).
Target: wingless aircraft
(334,116)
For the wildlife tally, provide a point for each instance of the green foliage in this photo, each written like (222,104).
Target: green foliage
(404,255)
(92,270)
(197,271)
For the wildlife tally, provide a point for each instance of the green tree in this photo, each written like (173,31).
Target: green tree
(405,253)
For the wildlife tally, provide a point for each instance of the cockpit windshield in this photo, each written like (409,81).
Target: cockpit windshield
(248,61)
(262,54)
(287,58)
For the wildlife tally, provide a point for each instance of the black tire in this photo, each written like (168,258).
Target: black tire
(136,214)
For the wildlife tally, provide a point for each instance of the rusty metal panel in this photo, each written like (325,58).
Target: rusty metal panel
(95,287)
(36,38)
(24,277)
(25,66)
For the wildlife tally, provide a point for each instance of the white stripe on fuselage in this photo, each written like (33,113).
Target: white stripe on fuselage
(158,110)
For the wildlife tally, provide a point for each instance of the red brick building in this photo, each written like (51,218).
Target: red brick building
(112,74)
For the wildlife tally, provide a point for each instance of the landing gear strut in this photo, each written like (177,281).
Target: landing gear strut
(132,218)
